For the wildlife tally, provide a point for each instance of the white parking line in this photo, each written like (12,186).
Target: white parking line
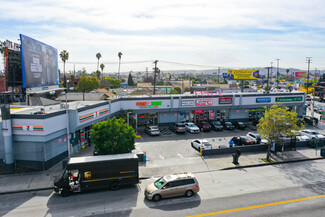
(161,157)
(181,156)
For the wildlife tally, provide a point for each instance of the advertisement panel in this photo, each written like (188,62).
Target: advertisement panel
(187,102)
(39,63)
(300,74)
(262,100)
(225,100)
(203,102)
(243,74)
(288,99)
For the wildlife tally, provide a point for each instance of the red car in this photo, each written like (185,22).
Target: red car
(204,126)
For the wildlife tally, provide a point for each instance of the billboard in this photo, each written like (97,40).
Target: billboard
(39,63)
(300,74)
(243,74)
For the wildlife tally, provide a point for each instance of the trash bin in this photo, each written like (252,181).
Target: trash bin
(322,152)
(235,159)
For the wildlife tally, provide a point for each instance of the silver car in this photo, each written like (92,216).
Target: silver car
(177,127)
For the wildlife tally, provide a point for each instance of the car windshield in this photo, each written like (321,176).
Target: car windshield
(180,125)
(216,122)
(315,133)
(241,123)
(190,125)
(205,124)
(206,144)
(160,182)
(228,123)
(153,128)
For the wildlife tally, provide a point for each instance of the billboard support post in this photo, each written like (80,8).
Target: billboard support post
(67,114)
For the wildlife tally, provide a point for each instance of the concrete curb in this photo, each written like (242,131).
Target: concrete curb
(270,164)
(22,191)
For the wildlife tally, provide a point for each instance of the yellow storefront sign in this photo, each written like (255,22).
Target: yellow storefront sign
(243,74)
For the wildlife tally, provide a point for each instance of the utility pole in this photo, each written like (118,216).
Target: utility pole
(147,72)
(271,70)
(312,114)
(308,62)
(218,74)
(277,72)
(154,79)
(268,73)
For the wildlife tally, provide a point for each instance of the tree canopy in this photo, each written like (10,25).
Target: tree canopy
(113,136)
(130,80)
(278,121)
(110,83)
(87,84)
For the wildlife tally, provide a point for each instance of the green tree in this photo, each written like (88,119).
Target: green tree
(64,55)
(119,64)
(161,83)
(110,83)
(113,136)
(130,80)
(98,56)
(83,72)
(98,75)
(87,84)
(277,121)
(176,90)
(3,50)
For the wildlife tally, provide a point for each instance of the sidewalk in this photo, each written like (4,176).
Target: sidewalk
(14,183)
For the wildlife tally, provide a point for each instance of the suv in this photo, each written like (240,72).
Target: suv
(177,127)
(239,125)
(204,126)
(216,125)
(228,125)
(183,184)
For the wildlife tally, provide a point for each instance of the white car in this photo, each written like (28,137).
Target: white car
(192,128)
(256,137)
(312,134)
(198,143)
(302,137)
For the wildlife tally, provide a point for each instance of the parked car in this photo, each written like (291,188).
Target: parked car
(242,140)
(312,134)
(255,136)
(302,137)
(318,108)
(184,184)
(204,126)
(239,125)
(152,130)
(198,143)
(191,127)
(177,127)
(228,125)
(216,125)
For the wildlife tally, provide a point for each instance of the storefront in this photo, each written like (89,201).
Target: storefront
(144,119)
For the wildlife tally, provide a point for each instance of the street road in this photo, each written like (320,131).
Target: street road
(234,192)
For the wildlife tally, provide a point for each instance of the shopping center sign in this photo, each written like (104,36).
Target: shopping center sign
(153,104)
(203,102)
(288,99)
(187,102)
(225,100)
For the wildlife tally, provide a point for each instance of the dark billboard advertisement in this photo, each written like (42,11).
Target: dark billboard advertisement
(39,63)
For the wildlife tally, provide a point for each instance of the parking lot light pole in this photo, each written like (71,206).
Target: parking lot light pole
(67,119)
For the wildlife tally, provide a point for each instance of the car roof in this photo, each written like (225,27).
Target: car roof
(178,176)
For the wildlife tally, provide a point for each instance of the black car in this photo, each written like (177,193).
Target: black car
(242,140)
(239,125)
(216,125)
(228,125)
(204,126)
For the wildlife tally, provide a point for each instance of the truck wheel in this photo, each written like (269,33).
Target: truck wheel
(189,193)
(65,192)
(156,197)
(114,186)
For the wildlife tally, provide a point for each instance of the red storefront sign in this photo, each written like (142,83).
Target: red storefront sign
(211,115)
(198,111)
(203,102)
(225,100)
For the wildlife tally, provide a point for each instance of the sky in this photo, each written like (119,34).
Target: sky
(180,34)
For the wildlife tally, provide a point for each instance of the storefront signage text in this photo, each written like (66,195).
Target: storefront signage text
(259,100)
(288,99)
(198,111)
(203,102)
(187,102)
(225,100)
(154,104)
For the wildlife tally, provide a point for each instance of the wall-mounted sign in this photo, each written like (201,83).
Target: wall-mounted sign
(225,100)
(288,99)
(257,110)
(211,115)
(93,115)
(28,128)
(203,102)
(153,104)
(187,102)
(198,111)
(300,74)
(261,100)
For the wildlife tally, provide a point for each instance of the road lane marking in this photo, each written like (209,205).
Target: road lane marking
(258,206)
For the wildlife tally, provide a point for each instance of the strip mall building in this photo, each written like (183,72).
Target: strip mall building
(39,134)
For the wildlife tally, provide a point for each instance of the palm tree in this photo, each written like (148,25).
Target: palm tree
(102,66)
(98,55)
(119,64)
(64,55)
